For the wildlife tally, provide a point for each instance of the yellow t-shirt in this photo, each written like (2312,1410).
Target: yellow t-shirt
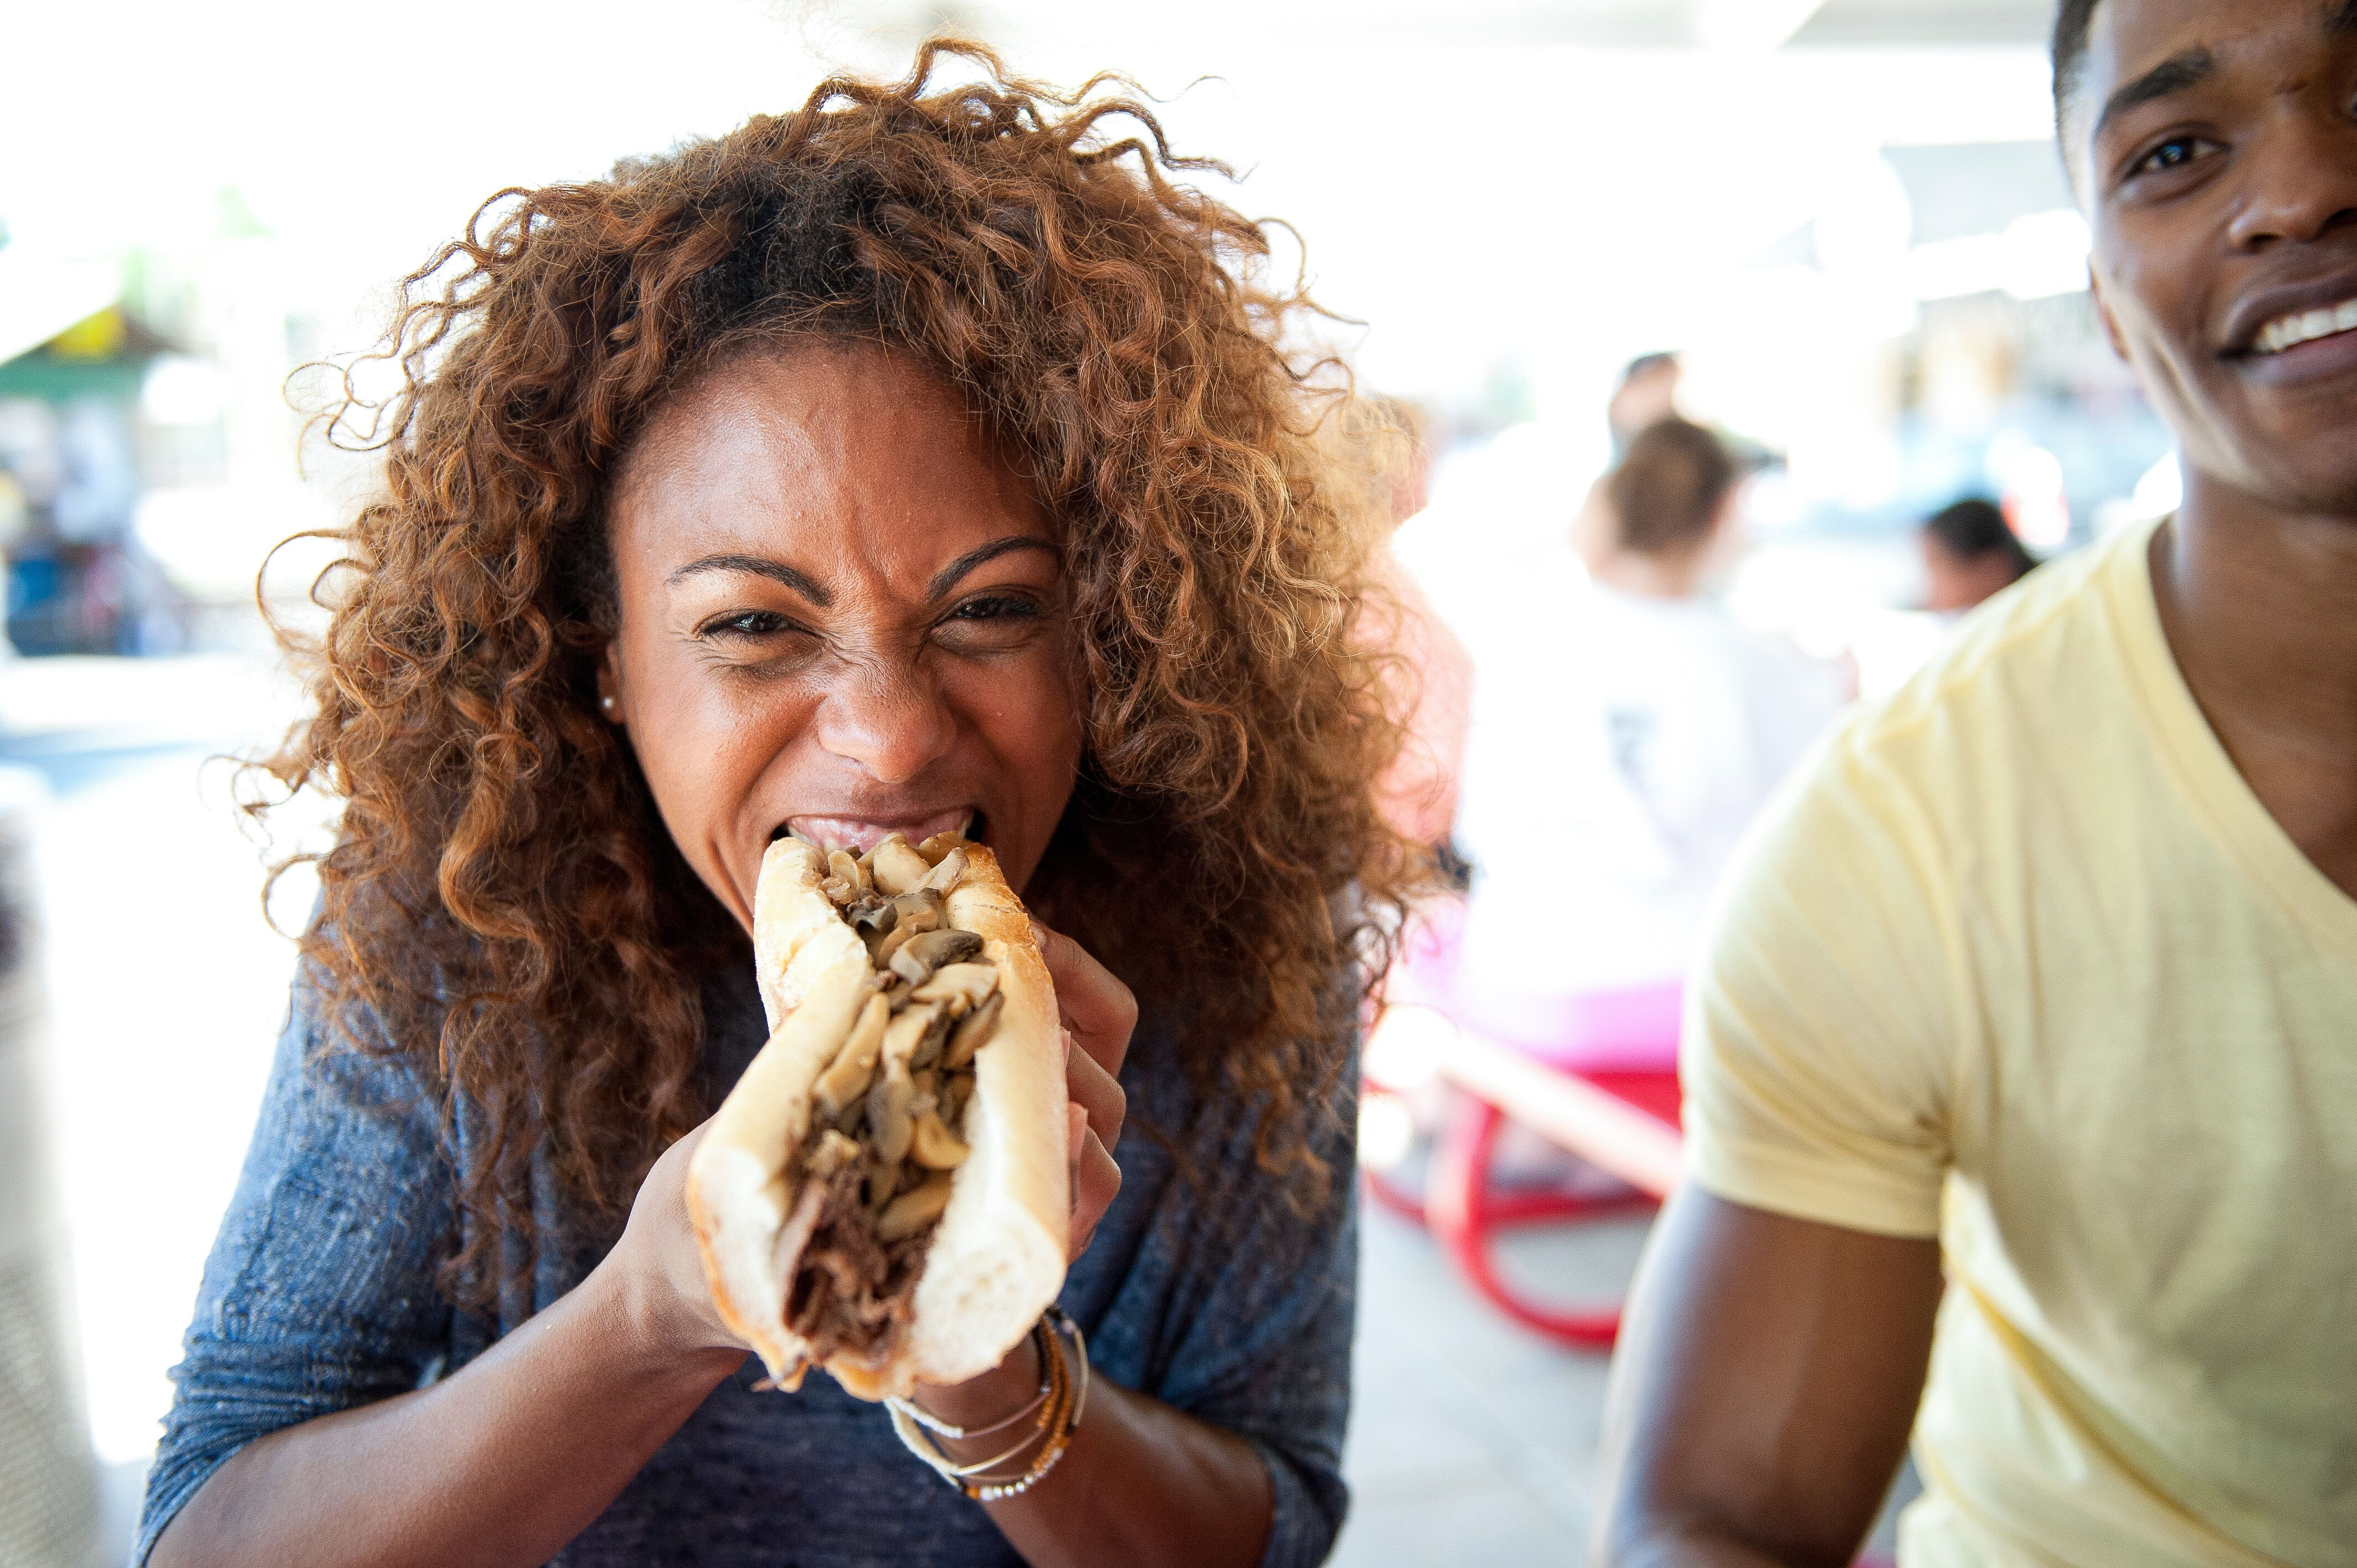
(2021,963)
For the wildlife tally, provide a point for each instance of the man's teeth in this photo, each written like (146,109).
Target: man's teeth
(2289,331)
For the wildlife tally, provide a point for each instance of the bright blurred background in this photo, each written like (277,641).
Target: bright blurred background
(1845,217)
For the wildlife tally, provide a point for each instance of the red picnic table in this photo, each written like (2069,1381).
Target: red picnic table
(1594,1075)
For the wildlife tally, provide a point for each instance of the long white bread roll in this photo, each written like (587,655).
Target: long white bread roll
(995,1258)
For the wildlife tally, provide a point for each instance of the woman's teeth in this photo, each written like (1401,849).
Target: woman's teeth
(860,834)
(2290,331)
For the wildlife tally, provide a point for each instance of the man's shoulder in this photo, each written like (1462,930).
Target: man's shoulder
(2044,657)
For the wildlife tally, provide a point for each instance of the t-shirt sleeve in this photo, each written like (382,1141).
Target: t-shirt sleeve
(1822,1024)
(320,1292)
(1256,1333)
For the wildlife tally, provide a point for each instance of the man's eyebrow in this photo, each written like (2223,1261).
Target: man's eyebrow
(2340,21)
(2187,68)
(947,577)
(759,566)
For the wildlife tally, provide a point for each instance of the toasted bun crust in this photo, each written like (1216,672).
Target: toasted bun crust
(997,1259)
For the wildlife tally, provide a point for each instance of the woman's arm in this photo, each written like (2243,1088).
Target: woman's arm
(1142,1483)
(507,1459)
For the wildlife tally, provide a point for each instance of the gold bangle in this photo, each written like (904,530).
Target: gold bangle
(1055,1412)
(1068,1411)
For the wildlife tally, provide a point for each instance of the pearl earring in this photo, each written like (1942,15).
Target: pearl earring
(609,706)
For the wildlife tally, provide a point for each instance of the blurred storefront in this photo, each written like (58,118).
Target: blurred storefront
(71,478)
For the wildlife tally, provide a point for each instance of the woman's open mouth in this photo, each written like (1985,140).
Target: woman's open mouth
(862,833)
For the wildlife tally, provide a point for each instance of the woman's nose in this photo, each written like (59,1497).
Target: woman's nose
(889,718)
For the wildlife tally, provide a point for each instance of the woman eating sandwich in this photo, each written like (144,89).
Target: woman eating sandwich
(853,636)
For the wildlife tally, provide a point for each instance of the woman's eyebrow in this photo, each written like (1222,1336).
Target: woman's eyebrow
(759,566)
(947,577)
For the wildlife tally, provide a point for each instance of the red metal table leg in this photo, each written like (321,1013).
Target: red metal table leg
(1465,1215)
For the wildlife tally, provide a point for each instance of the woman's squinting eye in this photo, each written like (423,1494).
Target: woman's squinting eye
(996,607)
(746,624)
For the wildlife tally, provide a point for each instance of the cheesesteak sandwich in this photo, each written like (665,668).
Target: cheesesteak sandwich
(884,1194)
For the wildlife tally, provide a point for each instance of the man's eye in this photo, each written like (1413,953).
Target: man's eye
(2175,153)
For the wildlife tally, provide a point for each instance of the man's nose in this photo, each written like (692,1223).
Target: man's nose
(2302,183)
(889,717)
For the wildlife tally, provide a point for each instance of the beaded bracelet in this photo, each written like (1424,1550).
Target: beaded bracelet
(998,1492)
(1063,1398)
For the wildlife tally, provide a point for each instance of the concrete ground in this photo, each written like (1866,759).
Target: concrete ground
(1472,1442)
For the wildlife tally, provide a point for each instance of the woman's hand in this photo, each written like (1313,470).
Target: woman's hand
(1098,1014)
(659,1269)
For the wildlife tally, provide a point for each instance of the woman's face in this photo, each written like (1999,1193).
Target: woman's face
(842,613)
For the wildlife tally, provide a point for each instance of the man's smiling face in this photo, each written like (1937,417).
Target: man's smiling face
(2215,144)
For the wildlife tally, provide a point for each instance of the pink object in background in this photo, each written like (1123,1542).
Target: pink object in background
(1631,1030)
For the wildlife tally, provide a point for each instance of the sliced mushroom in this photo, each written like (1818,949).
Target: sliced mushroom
(928,1049)
(894,1092)
(834,1152)
(883,1181)
(973,1033)
(945,875)
(846,1077)
(882,952)
(915,960)
(934,1146)
(956,1090)
(940,844)
(919,911)
(897,868)
(839,892)
(912,1211)
(844,866)
(962,986)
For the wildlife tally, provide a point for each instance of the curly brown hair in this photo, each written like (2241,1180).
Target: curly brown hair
(502,896)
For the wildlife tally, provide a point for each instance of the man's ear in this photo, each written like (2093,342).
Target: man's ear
(2104,313)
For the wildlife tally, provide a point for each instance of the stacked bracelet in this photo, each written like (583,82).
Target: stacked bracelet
(1055,1411)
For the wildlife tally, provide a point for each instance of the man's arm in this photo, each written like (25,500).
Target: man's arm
(1763,1389)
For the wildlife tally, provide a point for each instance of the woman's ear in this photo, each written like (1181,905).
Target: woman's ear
(610,703)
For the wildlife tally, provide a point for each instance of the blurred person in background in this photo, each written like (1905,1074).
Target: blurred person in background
(905,462)
(1648,394)
(1635,734)
(1431,673)
(1970,554)
(2047,971)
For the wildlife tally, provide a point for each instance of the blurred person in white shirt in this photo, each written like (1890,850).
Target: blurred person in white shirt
(1619,751)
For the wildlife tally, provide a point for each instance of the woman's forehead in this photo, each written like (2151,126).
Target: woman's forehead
(855,454)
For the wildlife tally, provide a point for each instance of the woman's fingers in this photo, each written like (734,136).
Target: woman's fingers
(1095,1180)
(1097,1007)
(1095,1090)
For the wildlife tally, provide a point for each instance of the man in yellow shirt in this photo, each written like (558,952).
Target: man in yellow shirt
(2047,969)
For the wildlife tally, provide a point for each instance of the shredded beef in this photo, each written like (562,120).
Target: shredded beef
(851,1293)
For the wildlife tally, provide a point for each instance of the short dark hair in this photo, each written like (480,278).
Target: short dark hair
(1667,491)
(1646,364)
(2071,20)
(1974,529)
